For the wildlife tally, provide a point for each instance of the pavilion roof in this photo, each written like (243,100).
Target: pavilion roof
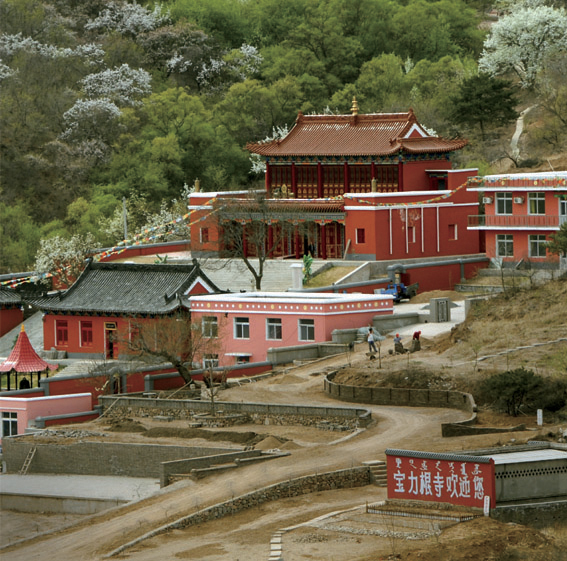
(375,134)
(23,357)
(125,288)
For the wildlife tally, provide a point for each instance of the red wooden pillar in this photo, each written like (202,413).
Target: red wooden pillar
(244,241)
(323,242)
(345,179)
(400,176)
(373,170)
(268,179)
(319,180)
(297,250)
(293,179)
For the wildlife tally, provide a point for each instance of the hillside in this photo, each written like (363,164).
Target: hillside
(526,329)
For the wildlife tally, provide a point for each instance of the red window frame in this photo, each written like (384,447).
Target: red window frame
(62,333)
(86,333)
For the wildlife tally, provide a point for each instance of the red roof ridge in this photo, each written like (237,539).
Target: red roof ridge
(23,357)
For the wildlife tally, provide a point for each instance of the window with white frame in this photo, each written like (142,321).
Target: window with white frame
(210,326)
(411,234)
(504,245)
(210,361)
(360,235)
(536,203)
(204,235)
(453,232)
(241,328)
(274,329)
(537,245)
(306,330)
(503,203)
(9,425)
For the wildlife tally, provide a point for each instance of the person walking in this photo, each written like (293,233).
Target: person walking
(371,343)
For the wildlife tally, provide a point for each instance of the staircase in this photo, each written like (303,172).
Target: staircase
(233,275)
(378,472)
(28,461)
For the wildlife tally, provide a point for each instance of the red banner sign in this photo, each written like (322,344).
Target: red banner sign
(444,478)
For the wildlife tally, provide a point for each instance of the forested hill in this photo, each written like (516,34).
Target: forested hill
(110,102)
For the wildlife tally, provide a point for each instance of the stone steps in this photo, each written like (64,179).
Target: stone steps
(378,471)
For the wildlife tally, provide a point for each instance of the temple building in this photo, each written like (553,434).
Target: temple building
(104,308)
(363,187)
(521,212)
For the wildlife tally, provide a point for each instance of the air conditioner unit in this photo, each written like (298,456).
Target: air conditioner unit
(519,200)
(487,200)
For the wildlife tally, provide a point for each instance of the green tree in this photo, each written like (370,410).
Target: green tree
(484,101)
(432,30)
(557,243)
(511,390)
(381,82)
(19,238)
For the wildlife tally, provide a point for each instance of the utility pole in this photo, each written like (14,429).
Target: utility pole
(125,216)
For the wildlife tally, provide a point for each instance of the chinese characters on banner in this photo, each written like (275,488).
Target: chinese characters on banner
(460,482)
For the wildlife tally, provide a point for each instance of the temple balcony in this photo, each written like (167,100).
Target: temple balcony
(510,221)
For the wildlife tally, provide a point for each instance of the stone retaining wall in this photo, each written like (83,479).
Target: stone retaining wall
(97,458)
(536,515)
(342,479)
(406,397)
(259,413)
(167,469)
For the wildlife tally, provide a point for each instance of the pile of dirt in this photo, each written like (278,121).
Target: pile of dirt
(268,443)
(288,379)
(243,438)
(290,445)
(485,538)
(125,425)
(424,297)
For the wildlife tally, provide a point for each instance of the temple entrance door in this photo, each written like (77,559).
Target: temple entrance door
(334,240)
(110,342)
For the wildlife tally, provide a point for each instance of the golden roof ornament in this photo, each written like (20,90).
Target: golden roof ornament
(354,108)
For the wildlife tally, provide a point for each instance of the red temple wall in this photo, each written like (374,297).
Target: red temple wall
(10,318)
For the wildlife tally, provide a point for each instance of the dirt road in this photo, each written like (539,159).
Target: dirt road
(394,427)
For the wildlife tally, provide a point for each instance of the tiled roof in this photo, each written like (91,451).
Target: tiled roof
(9,296)
(23,357)
(123,288)
(377,134)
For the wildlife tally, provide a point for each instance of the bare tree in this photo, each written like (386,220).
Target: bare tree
(177,340)
(255,229)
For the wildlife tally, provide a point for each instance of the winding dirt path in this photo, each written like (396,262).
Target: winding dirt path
(400,427)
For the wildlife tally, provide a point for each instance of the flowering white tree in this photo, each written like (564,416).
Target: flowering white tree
(128,18)
(123,85)
(235,66)
(258,163)
(521,41)
(64,258)
(91,119)
(10,45)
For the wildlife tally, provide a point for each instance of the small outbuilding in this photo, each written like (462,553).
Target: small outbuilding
(21,365)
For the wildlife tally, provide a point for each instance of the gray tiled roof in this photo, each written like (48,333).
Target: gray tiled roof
(9,296)
(121,288)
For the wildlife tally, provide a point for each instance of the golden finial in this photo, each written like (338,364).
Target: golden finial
(354,108)
(23,328)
